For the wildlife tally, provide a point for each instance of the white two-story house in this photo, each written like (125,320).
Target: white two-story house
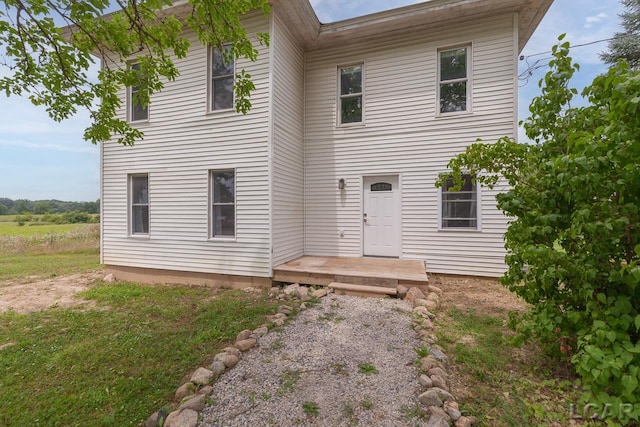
(351,124)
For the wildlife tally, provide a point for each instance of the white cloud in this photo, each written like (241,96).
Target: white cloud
(590,20)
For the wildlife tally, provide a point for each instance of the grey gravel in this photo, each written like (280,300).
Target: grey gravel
(353,358)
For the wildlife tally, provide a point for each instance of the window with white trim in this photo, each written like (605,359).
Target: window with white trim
(223,203)
(222,78)
(139,203)
(137,112)
(453,80)
(350,94)
(460,208)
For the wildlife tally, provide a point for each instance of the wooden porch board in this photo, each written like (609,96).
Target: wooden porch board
(382,272)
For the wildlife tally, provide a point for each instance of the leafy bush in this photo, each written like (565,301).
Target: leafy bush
(573,246)
(75,217)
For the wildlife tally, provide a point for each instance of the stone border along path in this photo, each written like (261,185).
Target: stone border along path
(436,404)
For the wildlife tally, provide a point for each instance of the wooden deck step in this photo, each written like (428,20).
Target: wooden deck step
(362,290)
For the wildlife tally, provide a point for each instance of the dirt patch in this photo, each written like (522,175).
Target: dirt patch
(483,296)
(42,294)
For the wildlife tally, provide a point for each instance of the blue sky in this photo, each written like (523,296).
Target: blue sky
(42,159)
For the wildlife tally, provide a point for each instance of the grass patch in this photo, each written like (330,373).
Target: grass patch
(34,229)
(51,254)
(48,264)
(288,380)
(310,408)
(367,369)
(504,384)
(117,364)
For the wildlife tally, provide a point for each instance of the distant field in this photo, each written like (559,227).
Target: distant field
(8,228)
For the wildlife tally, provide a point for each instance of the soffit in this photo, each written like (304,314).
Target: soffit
(313,35)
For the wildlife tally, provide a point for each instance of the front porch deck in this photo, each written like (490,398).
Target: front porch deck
(378,272)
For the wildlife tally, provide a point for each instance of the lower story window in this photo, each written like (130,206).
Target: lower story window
(139,199)
(223,205)
(460,208)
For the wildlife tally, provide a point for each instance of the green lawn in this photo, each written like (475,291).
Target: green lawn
(118,363)
(48,264)
(8,228)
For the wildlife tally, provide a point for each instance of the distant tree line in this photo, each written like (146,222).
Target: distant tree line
(39,207)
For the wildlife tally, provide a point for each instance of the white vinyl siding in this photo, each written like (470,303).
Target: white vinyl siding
(181,145)
(287,127)
(404,134)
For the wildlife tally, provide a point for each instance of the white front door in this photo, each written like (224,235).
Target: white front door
(381,216)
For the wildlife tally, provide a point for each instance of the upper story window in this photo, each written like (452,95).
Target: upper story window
(139,203)
(460,208)
(137,111)
(222,79)
(453,80)
(223,203)
(351,93)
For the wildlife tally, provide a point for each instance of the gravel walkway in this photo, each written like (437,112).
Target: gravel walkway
(346,361)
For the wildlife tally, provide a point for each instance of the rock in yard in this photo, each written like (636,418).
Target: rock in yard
(156,419)
(232,350)
(414,294)
(182,418)
(319,293)
(430,398)
(453,413)
(303,293)
(439,355)
(463,422)
(428,362)
(440,382)
(230,360)
(185,390)
(444,395)
(438,411)
(244,335)
(196,403)
(438,371)
(437,421)
(206,390)
(218,367)
(291,289)
(202,376)
(433,297)
(245,345)
(401,291)
(425,381)
(434,289)
(285,309)
(278,322)
(260,332)
(429,305)
(274,291)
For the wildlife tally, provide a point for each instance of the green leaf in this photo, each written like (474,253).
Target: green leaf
(630,384)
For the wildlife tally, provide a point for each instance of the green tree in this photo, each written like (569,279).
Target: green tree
(3,209)
(573,244)
(41,207)
(49,64)
(626,45)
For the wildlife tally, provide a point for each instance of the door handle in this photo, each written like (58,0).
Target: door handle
(364,218)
